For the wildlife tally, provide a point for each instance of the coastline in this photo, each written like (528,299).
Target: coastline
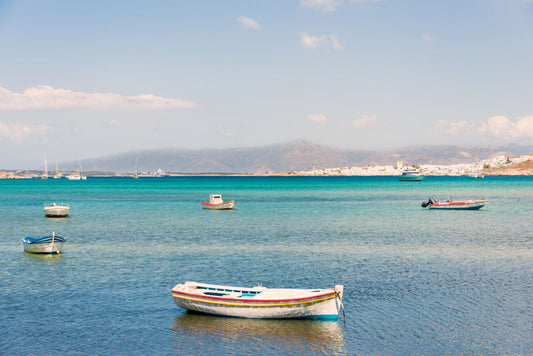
(499,166)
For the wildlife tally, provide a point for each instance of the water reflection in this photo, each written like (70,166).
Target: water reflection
(43,256)
(195,333)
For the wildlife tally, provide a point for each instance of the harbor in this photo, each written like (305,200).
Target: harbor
(416,281)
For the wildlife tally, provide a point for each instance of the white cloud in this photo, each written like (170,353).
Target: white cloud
(227,131)
(319,118)
(498,127)
(44,97)
(247,22)
(321,5)
(329,5)
(363,121)
(20,132)
(427,37)
(503,128)
(336,45)
(461,128)
(313,42)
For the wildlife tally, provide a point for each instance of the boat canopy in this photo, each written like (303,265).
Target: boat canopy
(215,199)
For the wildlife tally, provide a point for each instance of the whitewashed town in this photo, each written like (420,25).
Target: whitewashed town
(475,169)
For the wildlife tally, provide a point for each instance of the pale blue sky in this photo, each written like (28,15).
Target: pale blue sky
(93,78)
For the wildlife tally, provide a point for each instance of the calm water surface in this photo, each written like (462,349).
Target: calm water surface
(417,282)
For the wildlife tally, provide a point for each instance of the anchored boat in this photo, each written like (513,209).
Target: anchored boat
(411,174)
(46,244)
(450,204)
(216,203)
(56,210)
(259,302)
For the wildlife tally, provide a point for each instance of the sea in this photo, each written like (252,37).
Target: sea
(416,281)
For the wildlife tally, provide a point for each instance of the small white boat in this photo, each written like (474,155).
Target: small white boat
(476,175)
(216,203)
(160,173)
(78,175)
(259,302)
(411,174)
(46,244)
(450,204)
(56,210)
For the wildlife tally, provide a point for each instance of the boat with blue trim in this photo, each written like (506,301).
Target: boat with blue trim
(259,302)
(47,244)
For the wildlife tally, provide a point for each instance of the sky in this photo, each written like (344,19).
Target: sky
(95,78)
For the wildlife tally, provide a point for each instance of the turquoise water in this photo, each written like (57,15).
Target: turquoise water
(417,281)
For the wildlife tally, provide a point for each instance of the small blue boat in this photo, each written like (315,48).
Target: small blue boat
(47,244)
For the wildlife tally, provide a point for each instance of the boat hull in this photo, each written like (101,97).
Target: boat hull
(44,245)
(227,205)
(410,178)
(56,211)
(323,304)
(459,205)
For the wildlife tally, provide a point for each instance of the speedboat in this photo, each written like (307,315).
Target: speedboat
(46,244)
(259,302)
(56,210)
(450,204)
(411,174)
(216,203)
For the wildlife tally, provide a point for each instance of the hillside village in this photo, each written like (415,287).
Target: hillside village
(499,165)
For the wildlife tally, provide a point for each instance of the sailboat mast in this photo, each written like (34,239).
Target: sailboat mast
(79,163)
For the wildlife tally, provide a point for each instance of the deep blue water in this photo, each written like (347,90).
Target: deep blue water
(417,281)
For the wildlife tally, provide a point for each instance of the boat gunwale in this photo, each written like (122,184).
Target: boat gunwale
(43,240)
(215,204)
(465,202)
(333,293)
(261,303)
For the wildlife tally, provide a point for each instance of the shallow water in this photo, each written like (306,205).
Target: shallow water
(417,281)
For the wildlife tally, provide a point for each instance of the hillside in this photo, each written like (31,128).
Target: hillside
(293,156)
(513,169)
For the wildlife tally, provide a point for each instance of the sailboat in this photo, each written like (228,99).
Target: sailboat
(77,176)
(57,175)
(45,175)
(136,175)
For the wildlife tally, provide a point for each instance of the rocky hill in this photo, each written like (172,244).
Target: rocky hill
(513,169)
(293,156)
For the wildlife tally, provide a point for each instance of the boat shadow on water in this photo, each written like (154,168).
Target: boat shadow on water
(44,258)
(262,335)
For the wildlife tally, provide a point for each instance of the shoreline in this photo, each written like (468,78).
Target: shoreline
(499,166)
(492,173)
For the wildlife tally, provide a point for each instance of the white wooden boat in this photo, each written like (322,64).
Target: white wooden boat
(450,204)
(46,244)
(259,302)
(56,210)
(216,203)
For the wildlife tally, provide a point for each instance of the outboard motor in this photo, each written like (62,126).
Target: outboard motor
(431,200)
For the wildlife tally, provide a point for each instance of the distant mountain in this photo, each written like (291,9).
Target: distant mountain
(293,156)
